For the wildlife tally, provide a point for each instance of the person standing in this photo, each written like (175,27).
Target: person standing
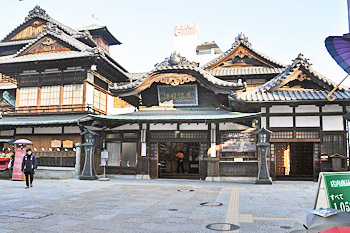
(29,164)
(180,161)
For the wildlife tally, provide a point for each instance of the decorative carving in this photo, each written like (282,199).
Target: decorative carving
(301,60)
(48,41)
(37,12)
(176,59)
(301,77)
(241,38)
(8,79)
(52,28)
(174,79)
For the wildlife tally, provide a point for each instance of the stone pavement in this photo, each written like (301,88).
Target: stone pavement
(123,205)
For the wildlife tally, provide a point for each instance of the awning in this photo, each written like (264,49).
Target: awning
(188,115)
(42,120)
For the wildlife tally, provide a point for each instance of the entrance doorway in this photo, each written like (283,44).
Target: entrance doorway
(168,162)
(294,160)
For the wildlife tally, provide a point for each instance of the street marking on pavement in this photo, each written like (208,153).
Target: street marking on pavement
(232,214)
(246,218)
(274,219)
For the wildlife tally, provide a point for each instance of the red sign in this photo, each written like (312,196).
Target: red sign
(17,174)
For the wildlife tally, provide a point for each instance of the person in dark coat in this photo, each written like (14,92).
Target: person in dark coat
(29,164)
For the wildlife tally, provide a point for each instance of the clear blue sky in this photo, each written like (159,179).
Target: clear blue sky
(279,28)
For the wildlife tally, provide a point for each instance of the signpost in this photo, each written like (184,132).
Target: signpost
(333,191)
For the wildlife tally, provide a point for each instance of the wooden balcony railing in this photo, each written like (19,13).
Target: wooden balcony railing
(51,109)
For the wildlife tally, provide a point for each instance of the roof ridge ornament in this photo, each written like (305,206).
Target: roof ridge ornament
(37,12)
(176,59)
(50,27)
(301,60)
(241,39)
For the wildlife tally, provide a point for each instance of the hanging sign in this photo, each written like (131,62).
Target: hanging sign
(181,95)
(333,191)
(238,142)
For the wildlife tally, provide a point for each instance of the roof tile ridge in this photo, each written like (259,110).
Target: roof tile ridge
(38,12)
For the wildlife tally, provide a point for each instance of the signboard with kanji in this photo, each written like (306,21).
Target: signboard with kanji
(181,95)
(334,191)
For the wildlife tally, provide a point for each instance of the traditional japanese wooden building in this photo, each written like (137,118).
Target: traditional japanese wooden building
(184,107)
(53,75)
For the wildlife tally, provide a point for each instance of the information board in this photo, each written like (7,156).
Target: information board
(181,95)
(333,191)
(338,190)
(238,142)
(17,174)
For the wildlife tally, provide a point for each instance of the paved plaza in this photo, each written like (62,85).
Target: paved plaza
(123,205)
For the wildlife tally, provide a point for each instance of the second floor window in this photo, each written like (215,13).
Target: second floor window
(28,96)
(73,94)
(50,95)
(100,100)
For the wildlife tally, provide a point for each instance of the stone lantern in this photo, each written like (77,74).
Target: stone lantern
(263,136)
(89,172)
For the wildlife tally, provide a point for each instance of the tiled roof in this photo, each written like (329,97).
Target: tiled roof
(16,42)
(38,12)
(182,65)
(302,63)
(245,71)
(44,57)
(264,93)
(175,115)
(241,39)
(83,49)
(54,31)
(289,96)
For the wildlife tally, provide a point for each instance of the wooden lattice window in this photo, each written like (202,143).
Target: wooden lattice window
(28,96)
(73,94)
(307,134)
(333,143)
(50,95)
(282,135)
(100,100)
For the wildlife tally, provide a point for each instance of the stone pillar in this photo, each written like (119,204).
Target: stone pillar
(89,172)
(78,146)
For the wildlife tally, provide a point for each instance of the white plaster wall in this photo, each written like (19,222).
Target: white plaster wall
(281,109)
(263,122)
(231,126)
(71,129)
(111,110)
(200,126)
(7,133)
(89,94)
(48,130)
(332,123)
(307,108)
(332,108)
(110,105)
(348,108)
(127,127)
(162,127)
(281,121)
(307,121)
(263,110)
(24,131)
